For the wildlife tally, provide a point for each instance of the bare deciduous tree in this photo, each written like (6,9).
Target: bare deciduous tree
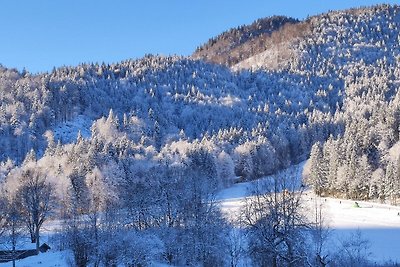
(3,217)
(276,224)
(320,233)
(11,229)
(36,200)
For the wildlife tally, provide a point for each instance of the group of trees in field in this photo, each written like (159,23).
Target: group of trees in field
(26,204)
(116,213)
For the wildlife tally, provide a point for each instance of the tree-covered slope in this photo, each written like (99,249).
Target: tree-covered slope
(242,42)
(171,96)
(357,51)
(342,72)
(361,48)
(167,132)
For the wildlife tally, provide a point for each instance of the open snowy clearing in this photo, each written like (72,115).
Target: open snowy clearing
(378,223)
(68,131)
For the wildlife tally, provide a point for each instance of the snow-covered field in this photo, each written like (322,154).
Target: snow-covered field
(378,223)
(49,259)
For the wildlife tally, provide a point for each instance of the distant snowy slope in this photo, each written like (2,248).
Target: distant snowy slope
(273,58)
(68,131)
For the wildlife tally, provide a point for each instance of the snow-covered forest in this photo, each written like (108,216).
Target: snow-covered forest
(129,156)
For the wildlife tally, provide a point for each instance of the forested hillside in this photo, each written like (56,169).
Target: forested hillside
(167,132)
(356,54)
(240,43)
(158,101)
(360,48)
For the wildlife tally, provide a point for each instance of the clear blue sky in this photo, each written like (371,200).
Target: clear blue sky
(45,33)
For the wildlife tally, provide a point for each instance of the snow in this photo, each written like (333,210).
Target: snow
(378,223)
(52,258)
(48,259)
(344,215)
(68,131)
(272,58)
(230,101)
(394,152)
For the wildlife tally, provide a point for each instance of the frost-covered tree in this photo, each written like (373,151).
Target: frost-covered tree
(318,170)
(225,169)
(36,200)
(12,228)
(276,224)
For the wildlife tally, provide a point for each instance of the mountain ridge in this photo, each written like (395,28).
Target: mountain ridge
(281,40)
(229,48)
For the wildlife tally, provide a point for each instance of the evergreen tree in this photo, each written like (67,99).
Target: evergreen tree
(318,171)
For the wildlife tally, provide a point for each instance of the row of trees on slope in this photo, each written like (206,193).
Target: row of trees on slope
(362,161)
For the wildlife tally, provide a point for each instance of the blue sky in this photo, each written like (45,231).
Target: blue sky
(39,35)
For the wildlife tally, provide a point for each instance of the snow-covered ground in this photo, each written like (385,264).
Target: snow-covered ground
(49,259)
(68,131)
(378,223)
(274,57)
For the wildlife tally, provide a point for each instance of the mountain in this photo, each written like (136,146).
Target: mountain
(336,67)
(156,137)
(355,52)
